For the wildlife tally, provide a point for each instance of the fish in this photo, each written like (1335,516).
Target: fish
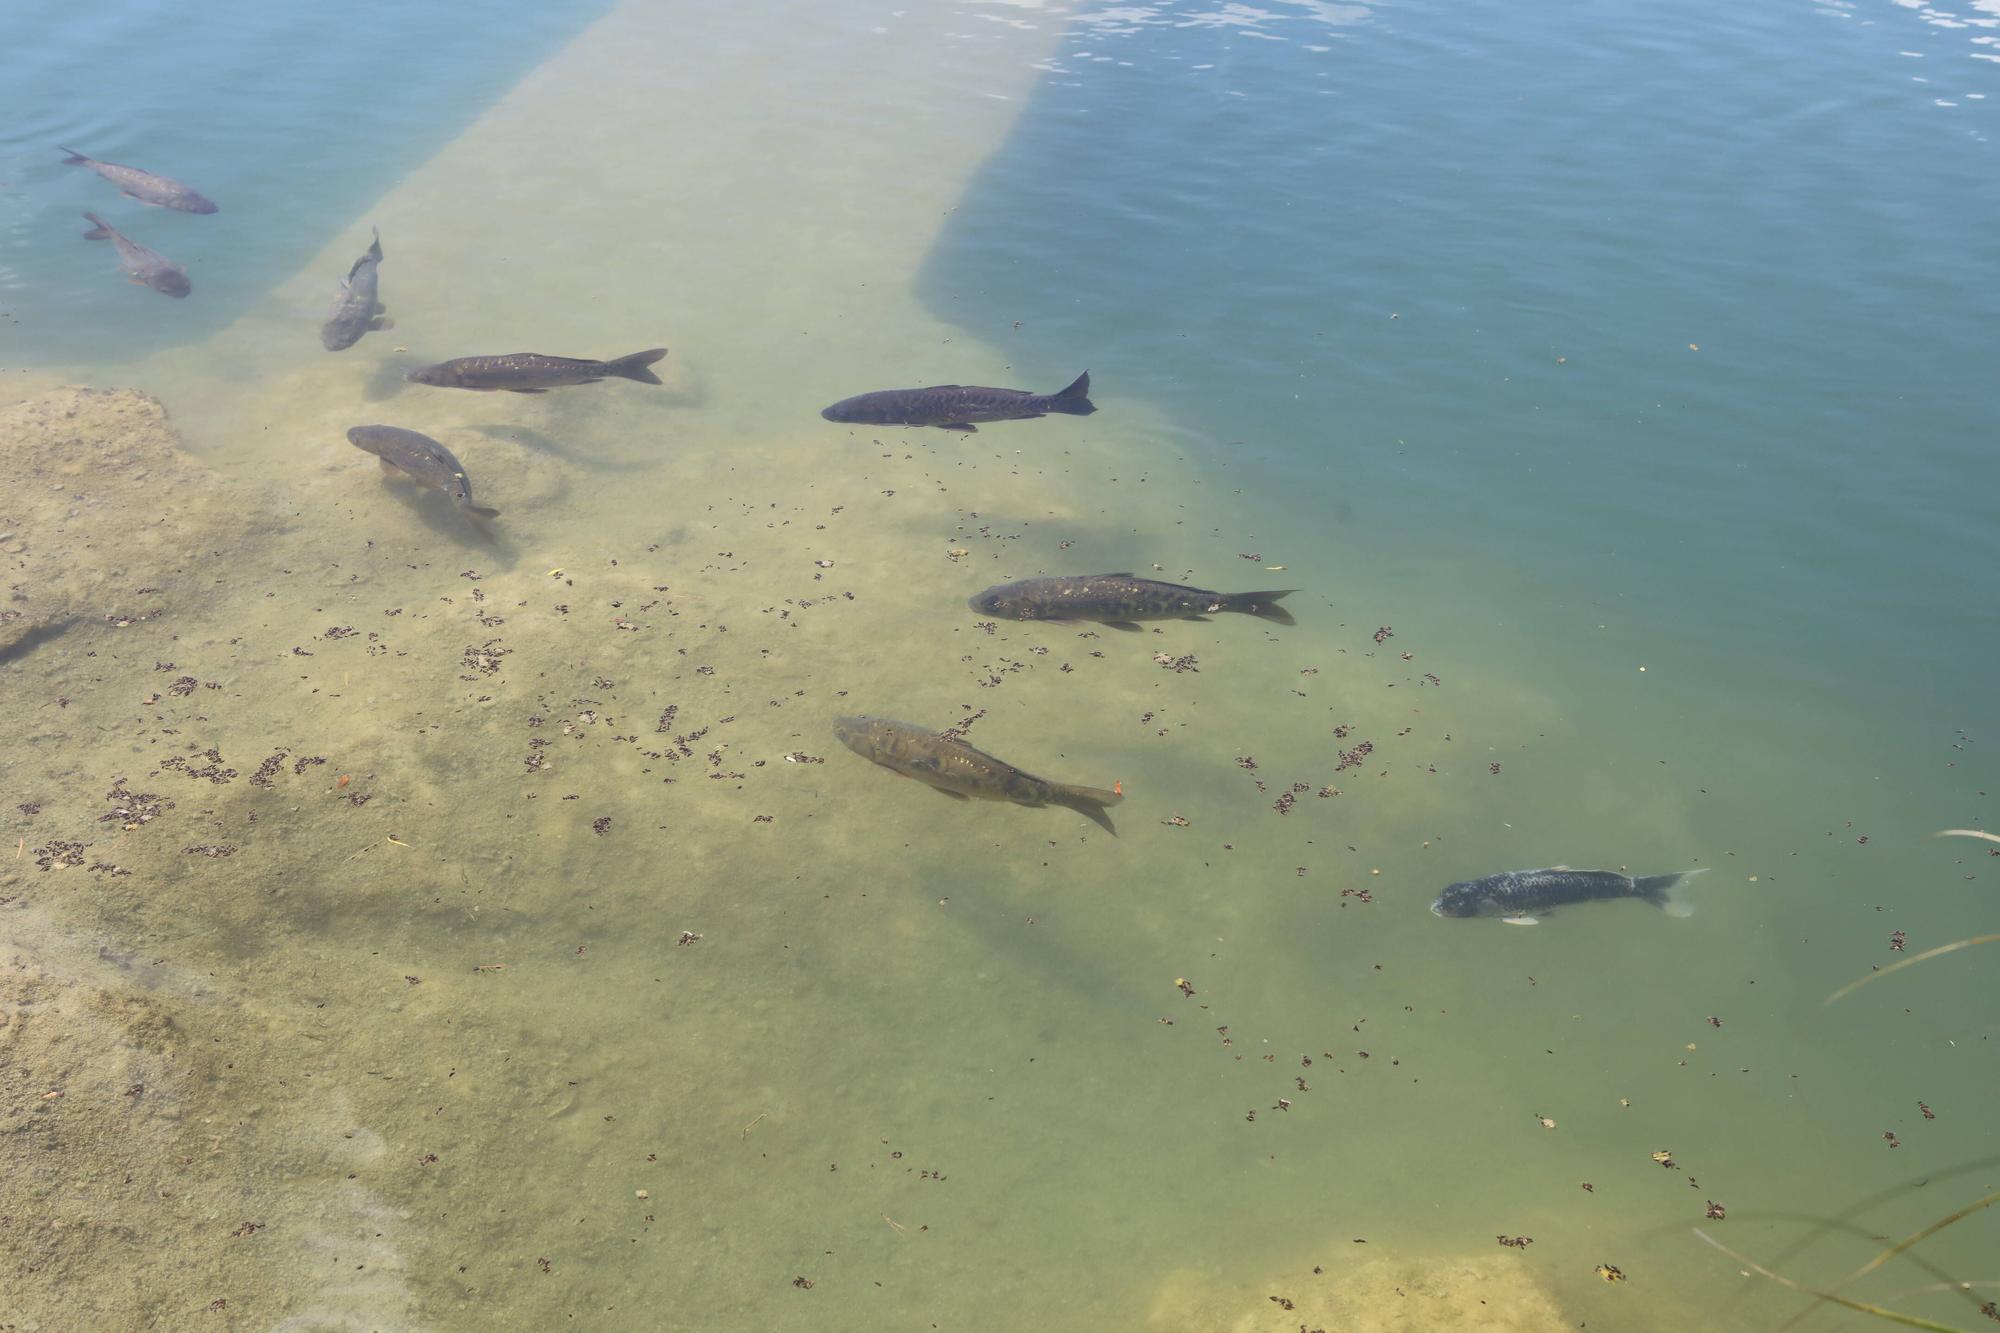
(419,458)
(961,772)
(957,406)
(143,185)
(531,372)
(357,310)
(1516,895)
(142,266)
(1119,601)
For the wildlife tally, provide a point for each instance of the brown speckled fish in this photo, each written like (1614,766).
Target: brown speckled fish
(144,267)
(957,406)
(359,308)
(532,372)
(419,458)
(143,185)
(958,770)
(1121,600)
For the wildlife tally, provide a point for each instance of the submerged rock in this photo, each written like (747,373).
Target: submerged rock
(104,521)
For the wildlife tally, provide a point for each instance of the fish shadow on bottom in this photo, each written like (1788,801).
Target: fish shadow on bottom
(437,512)
(685,390)
(388,381)
(540,442)
(34,639)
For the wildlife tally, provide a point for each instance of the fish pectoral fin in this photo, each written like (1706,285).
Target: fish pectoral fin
(1129,626)
(965,426)
(946,791)
(1522,920)
(381,309)
(381,322)
(1199,619)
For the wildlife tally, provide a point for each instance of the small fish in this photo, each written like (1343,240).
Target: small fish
(959,771)
(357,310)
(531,372)
(1515,895)
(141,265)
(1120,600)
(420,459)
(957,406)
(143,185)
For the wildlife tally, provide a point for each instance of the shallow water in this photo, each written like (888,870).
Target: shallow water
(1612,385)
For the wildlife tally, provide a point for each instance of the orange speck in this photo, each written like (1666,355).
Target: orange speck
(1118,788)
(344,780)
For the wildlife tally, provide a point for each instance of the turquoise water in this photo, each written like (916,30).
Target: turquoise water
(1427,281)
(1613,382)
(292,118)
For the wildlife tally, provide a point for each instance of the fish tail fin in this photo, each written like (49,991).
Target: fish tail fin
(75,159)
(633,367)
(1090,802)
(100,229)
(1263,605)
(1660,890)
(1074,400)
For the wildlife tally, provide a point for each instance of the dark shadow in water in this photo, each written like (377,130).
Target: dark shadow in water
(389,378)
(34,639)
(685,387)
(442,516)
(541,442)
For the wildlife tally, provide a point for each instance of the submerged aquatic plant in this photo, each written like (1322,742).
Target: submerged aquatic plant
(1833,1296)
(1863,1307)
(1927,954)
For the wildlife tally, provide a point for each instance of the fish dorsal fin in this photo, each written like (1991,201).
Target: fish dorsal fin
(1562,867)
(932,388)
(1116,574)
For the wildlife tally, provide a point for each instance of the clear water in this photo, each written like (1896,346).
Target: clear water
(1628,365)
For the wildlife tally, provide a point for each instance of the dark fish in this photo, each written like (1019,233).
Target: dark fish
(358,309)
(531,372)
(957,406)
(420,459)
(958,770)
(143,185)
(141,265)
(1516,895)
(1119,600)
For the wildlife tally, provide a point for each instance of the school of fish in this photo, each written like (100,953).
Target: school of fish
(940,760)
